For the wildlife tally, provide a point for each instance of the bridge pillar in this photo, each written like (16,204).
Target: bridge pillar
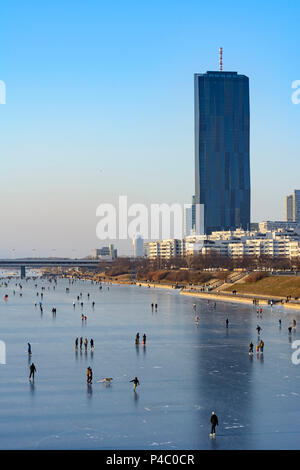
(23,272)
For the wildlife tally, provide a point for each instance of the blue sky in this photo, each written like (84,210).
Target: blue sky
(100,103)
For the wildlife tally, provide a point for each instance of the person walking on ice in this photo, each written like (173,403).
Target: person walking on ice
(32,372)
(214,422)
(258,329)
(135,383)
(89,375)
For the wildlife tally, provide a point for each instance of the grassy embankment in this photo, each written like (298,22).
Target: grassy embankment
(277,286)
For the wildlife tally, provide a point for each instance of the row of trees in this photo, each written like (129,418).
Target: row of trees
(214,261)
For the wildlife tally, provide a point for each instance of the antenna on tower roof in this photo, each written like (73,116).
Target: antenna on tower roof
(221,59)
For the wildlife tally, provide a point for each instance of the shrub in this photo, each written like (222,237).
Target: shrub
(254,277)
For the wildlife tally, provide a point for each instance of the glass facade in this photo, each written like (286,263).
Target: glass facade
(222,167)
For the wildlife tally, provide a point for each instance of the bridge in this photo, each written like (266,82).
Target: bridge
(23,263)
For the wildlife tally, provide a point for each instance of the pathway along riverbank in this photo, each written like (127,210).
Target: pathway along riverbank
(233,298)
(224,297)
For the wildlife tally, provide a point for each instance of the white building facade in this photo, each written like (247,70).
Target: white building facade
(238,243)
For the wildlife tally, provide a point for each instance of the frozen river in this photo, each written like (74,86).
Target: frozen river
(185,372)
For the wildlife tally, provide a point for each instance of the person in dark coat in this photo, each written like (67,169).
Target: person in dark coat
(135,383)
(32,371)
(214,422)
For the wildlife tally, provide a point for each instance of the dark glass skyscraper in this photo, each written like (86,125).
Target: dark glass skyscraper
(222,150)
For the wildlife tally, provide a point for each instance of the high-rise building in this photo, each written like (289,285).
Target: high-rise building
(296,205)
(187,220)
(194,213)
(138,246)
(292,207)
(222,167)
(288,208)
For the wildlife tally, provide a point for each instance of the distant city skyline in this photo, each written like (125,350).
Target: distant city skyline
(99,102)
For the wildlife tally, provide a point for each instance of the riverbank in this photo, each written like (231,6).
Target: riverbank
(223,296)
(155,285)
(261,300)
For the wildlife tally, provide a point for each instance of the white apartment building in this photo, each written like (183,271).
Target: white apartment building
(165,249)
(270,226)
(238,243)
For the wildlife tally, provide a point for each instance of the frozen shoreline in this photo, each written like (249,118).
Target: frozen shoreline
(246,299)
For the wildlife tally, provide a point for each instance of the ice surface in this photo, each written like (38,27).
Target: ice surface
(185,372)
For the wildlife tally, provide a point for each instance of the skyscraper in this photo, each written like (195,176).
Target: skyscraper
(288,208)
(222,167)
(187,220)
(292,207)
(138,246)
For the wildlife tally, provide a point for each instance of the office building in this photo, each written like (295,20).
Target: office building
(106,252)
(292,207)
(288,208)
(222,168)
(138,246)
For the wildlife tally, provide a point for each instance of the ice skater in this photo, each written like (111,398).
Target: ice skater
(32,372)
(227,322)
(144,339)
(258,329)
(29,349)
(137,338)
(89,375)
(135,383)
(214,422)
